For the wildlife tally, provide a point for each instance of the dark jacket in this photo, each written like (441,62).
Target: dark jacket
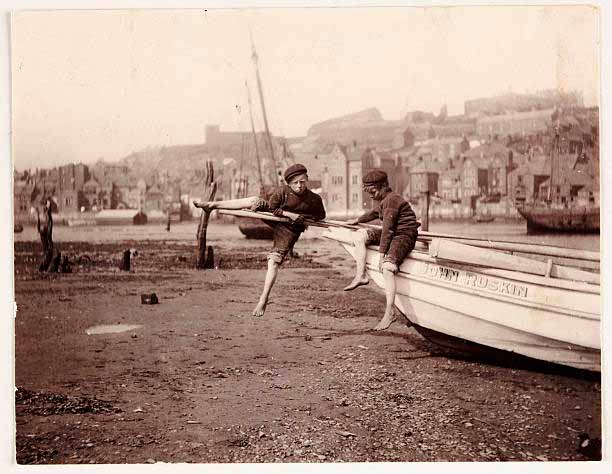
(398,219)
(309,204)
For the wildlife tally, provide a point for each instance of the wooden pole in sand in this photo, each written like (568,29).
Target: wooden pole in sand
(45,229)
(202,262)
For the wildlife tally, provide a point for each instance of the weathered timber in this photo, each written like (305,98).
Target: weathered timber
(211,184)
(445,249)
(56,263)
(45,230)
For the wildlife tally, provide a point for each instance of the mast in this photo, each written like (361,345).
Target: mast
(261,182)
(239,190)
(263,108)
(552,165)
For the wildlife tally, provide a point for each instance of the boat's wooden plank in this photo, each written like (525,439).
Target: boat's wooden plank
(458,252)
(420,254)
(511,246)
(537,249)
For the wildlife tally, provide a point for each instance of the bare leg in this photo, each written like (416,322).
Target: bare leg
(361,278)
(268,284)
(244,203)
(389,317)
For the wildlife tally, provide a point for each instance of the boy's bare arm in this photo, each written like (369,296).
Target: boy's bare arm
(363,218)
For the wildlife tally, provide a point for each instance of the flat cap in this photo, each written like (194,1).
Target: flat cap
(375,177)
(293,171)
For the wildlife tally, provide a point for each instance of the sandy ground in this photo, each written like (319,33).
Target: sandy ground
(200,380)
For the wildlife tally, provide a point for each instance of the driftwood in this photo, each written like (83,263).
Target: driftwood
(45,229)
(205,258)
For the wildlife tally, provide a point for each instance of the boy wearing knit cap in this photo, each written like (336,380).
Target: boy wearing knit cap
(293,200)
(396,238)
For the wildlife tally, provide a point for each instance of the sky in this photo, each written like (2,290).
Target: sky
(99,84)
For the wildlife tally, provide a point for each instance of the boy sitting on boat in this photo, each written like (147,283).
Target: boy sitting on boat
(293,200)
(396,238)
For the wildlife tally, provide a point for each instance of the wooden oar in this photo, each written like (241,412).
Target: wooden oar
(504,245)
(507,245)
(268,216)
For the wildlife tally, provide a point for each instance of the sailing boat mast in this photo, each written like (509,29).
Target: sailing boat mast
(261,182)
(553,150)
(255,58)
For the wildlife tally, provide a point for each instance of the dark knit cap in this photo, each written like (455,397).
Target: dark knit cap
(293,171)
(375,177)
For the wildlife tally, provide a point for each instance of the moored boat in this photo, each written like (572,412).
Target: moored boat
(140,218)
(485,301)
(544,218)
(481,218)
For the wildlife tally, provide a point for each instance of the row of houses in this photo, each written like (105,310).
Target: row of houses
(75,188)
(466,173)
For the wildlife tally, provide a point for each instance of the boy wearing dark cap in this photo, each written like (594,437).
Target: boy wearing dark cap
(396,238)
(293,200)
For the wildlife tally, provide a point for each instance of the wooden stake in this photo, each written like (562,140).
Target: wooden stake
(45,229)
(125,262)
(201,261)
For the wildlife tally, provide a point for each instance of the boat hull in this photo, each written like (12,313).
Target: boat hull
(254,228)
(583,219)
(527,315)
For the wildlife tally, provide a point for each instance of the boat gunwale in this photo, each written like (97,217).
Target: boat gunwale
(557,283)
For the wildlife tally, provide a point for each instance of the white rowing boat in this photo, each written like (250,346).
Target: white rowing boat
(454,292)
(461,291)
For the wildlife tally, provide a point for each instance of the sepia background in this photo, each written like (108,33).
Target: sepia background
(100,95)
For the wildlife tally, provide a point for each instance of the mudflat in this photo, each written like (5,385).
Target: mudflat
(103,378)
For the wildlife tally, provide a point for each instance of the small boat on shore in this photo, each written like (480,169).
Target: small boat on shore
(140,218)
(452,292)
(539,301)
(481,218)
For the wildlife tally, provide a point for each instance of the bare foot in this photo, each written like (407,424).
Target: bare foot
(385,322)
(260,309)
(205,206)
(357,282)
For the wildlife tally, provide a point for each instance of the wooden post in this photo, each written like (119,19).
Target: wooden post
(202,262)
(168,220)
(425,211)
(45,229)
(125,262)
